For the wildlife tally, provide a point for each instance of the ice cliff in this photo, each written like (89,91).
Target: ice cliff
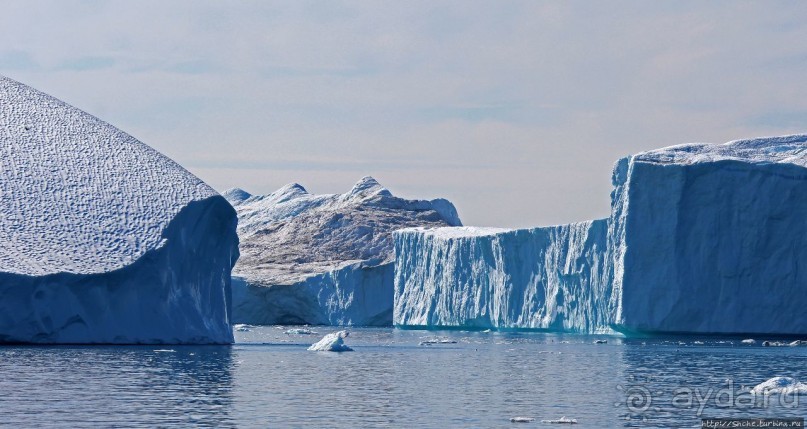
(541,278)
(702,238)
(322,259)
(712,238)
(103,239)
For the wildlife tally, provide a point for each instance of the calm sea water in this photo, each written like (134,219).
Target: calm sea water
(269,379)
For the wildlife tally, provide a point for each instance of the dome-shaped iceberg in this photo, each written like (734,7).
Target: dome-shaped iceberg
(102,238)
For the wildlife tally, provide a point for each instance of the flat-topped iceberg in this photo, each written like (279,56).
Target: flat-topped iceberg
(702,238)
(541,278)
(103,239)
(323,259)
(712,238)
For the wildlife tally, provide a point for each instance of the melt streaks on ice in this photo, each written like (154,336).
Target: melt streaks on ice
(542,278)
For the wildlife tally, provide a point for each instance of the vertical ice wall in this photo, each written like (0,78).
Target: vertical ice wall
(544,278)
(713,239)
(702,238)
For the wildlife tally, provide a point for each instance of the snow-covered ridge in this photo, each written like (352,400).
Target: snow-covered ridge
(456,232)
(79,195)
(323,259)
(790,149)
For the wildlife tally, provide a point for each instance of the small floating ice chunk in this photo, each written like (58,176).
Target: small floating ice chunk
(601,342)
(519,419)
(431,341)
(164,351)
(562,420)
(699,342)
(780,385)
(798,343)
(749,341)
(299,331)
(242,327)
(332,342)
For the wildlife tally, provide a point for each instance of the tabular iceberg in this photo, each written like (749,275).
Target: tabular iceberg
(322,259)
(702,238)
(103,239)
(712,238)
(541,278)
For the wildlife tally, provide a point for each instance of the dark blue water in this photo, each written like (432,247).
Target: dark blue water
(269,379)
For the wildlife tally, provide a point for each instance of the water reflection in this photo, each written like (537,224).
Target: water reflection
(269,379)
(670,382)
(106,386)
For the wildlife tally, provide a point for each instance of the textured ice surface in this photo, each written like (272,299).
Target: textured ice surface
(323,259)
(103,239)
(702,238)
(541,278)
(333,342)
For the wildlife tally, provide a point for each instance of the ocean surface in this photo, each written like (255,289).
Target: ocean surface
(397,378)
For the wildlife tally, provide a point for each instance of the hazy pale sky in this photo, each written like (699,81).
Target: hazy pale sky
(515,111)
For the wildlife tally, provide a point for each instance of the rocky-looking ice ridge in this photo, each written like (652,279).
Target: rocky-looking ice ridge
(702,238)
(323,259)
(103,239)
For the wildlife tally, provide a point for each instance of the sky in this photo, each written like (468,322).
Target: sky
(513,110)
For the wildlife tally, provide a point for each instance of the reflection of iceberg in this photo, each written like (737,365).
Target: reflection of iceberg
(120,386)
(702,238)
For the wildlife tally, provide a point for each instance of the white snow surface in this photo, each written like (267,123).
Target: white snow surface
(103,239)
(323,259)
(702,238)
(79,195)
(791,149)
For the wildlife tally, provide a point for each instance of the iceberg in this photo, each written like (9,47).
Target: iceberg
(542,278)
(103,239)
(333,342)
(322,259)
(780,385)
(702,238)
(711,238)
